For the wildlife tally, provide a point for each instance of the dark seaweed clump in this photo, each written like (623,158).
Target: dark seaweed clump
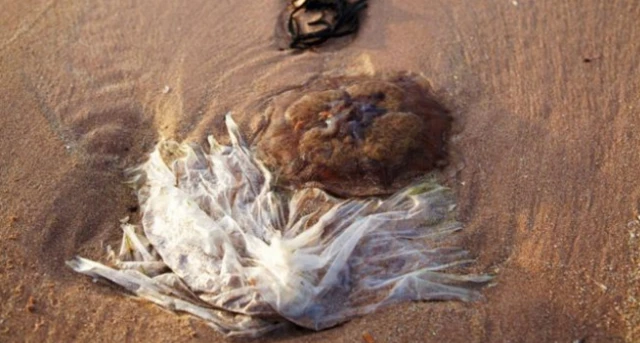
(338,18)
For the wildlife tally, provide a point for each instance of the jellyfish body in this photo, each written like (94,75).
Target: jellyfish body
(219,241)
(357,136)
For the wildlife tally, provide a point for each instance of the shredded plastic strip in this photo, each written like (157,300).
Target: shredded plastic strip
(220,241)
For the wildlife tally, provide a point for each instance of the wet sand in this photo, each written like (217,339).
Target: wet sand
(545,96)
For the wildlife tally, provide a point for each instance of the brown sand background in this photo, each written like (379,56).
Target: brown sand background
(547,93)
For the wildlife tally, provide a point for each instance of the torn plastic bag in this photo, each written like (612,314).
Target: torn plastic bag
(218,240)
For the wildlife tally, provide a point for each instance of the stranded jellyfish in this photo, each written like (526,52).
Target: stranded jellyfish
(356,136)
(221,239)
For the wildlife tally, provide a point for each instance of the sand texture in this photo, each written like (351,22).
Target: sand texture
(545,152)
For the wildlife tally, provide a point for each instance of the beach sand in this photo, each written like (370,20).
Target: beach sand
(545,95)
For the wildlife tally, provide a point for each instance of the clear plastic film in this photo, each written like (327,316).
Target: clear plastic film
(220,241)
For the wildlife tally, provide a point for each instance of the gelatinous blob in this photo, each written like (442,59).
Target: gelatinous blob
(220,241)
(356,136)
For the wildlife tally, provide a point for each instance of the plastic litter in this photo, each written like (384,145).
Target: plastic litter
(220,241)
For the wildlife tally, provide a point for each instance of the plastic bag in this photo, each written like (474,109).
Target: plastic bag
(220,241)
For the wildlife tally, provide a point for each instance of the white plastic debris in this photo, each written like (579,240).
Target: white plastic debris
(218,240)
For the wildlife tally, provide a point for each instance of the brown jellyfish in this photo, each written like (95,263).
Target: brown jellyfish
(356,136)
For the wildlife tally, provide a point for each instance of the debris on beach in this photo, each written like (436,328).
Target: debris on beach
(220,241)
(312,22)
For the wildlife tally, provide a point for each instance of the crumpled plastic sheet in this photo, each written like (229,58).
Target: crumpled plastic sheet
(220,241)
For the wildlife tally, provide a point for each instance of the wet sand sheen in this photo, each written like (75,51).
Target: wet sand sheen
(549,188)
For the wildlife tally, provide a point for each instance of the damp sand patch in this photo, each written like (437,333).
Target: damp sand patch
(219,241)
